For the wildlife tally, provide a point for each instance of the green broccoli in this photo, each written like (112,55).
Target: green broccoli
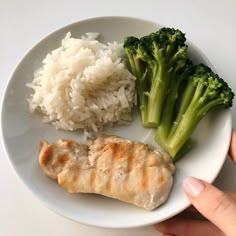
(170,106)
(140,71)
(173,94)
(203,91)
(155,59)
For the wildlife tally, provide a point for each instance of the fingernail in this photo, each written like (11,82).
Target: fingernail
(193,186)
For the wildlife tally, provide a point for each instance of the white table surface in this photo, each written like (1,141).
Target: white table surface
(209,24)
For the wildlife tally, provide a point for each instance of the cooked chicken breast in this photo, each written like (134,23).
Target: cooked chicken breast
(54,157)
(109,165)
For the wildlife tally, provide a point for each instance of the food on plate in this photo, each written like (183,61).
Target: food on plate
(203,91)
(111,166)
(155,60)
(83,84)
(173,94)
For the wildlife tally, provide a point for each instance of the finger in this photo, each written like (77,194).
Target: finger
(232,149)
(212,203)
(181,226)
(191,209)
(191,214)
(232,195)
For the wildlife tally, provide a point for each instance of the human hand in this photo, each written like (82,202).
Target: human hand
(218,208)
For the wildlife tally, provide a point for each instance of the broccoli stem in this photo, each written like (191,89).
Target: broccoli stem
(189,120)
(183,150)
(162,78)
(157,96)
(185,101)
(169,110)
(140,72)
(143,100)
(184,130)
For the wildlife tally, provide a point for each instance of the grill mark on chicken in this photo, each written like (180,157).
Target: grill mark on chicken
(161,179)
(75,178)
(62,159)
(131,158)
(145,179)
(46,158)
(69,143)
(118,150)
(108,186)
(109,149)
(92,178)
(111,166)
(145,175)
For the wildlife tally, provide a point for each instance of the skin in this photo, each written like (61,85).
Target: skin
(213,211)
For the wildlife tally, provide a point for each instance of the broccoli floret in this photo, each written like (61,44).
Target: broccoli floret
(140,71)
(203,91)
(155,60)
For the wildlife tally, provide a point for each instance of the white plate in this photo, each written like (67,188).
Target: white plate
(22,132)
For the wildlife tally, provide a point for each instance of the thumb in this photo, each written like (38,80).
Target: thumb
(215,205)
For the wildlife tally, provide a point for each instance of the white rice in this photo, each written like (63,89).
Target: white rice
(83,84)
